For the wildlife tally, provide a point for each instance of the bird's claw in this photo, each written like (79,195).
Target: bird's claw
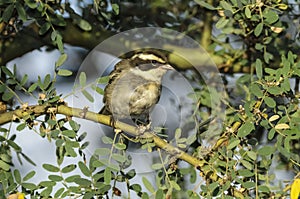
(141,129)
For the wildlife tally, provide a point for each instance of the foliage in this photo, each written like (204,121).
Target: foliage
(260,134)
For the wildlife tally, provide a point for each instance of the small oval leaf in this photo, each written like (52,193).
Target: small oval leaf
(64,72)
(282,126)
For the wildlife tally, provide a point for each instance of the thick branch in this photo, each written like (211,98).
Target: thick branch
(29,39)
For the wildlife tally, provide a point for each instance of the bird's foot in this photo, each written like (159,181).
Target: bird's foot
(141,129)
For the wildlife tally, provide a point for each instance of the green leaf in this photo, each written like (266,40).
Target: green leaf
(264,188)
(21,11)
(259,46)
(74,125)
(271,17)
(29,175)
(88,96)
(285,85)
(175,185)
(84,169)
(226,6)
(148,185)
(118,157)
(82,182)
(267,57)
(99,90)
(248,12)
(107,175)
(191,139)
(50,168)
(252,155)
(270,102)
(266,150)
(115,8)
(205,5)
(245,173)
(70,150)
(47,81)
(131,174)
(68,168)
(59,43)
(7,96)
(71,179)
(256,90)
(29,186)
(82,79)
(84,25)
(17,176)
(258,68)
(177,133)
(14,145)
(20,127)
(271,134)
(159,194)
(81,137)
(102,151)
(249,185)
(136,187)
(28,159)
(59,192)
(258,29)
(61,60)
(47,183)
(113,167)
(24,80)
(120,146)
(222,23)
(245,129)
(31,4)
(233,143)
(69,133)
(32,87)
(64,72)
(7,71)
(247,164)
(89,195)
(8,13)
(55,178)
(107,140)
(4,165)
(46,192)
(103,80)
(5,157)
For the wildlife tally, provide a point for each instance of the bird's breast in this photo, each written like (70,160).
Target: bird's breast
(132,95)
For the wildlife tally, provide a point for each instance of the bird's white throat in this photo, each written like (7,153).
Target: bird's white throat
(150,75)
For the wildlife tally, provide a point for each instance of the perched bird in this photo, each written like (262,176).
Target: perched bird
(134,86)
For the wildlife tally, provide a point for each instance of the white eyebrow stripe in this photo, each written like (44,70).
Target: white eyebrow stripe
(148,57)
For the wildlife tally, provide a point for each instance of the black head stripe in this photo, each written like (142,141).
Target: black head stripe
(148,66)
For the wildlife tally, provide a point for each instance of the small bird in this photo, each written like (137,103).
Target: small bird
(134,86)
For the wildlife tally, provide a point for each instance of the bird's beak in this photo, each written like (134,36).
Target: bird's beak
(167,67)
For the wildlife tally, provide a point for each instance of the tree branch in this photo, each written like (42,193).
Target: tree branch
(38,110)
(29,39)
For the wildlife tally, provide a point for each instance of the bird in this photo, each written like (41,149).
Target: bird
(134,86)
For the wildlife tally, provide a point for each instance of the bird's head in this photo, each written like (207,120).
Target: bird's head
(152,65)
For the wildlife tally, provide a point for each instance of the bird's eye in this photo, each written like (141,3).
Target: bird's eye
(154,62)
